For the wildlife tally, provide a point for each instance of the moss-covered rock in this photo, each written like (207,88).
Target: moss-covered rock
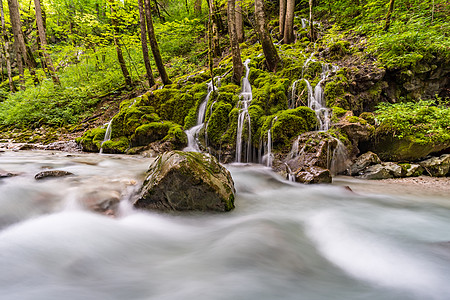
(187,181)
(155,131)
(92,139)
(116,145)
(218,123)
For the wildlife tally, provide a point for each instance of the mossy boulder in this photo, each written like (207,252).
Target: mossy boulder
(91,140)
(116,146)
(218,123)
(185,181)
(156,131)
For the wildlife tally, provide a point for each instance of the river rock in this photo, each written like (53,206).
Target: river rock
(437,166)
(413,170)
(184,181)
(313,175)
(363,161)
(7,174)
(51,173)
(383,171)
(102,201)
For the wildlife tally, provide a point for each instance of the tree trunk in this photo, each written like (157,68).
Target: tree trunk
(154,44)
(272,58)
(20,68)
(282,17)
(238,67)
(239,22)
(311,25)
(123,65)
(5,39)
(217,52)
(148,68)
(43,40)
(288,37)
(198,7)
(210,47)
(18,36)
(388,15)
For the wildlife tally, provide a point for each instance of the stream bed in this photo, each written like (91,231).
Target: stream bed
(283,241)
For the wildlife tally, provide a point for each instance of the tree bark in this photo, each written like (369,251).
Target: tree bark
(288,37)
(123,65)
(238,67)
(43,40)
(217,52)
(148,68)
(154,44)
(5,39)
(239,21)
(18,36)
(272,58)
(282,17)
(311,25)
(388,15)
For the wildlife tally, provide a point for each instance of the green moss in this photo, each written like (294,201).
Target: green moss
(313,70)
(91,140)
(335,92)
(339,49)
(369,117)
(148,133)
(355,119)
(117,145)
(218,123)
(338,112)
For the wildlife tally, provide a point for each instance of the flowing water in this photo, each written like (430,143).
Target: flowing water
(107,135)
(245,98)
(283,241)
(192,133)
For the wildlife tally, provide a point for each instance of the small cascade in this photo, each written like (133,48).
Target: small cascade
(268,157)
(245,98)
(339,160)
(207,123)
(192,133)
(107,135)
(304,23)
(292,101)
(290,175)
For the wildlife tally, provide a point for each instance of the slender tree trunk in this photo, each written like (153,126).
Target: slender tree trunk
(238,67)
(20,68)
(43,40)
(215,30)
(148,68)
(154,44)
(239,21)
(5,39)
(282,17)
(388,15)
(198,7)
(187,6)
(272,58)
(311,25)
(288,37)
(123,65)
(18,36)
(210,47)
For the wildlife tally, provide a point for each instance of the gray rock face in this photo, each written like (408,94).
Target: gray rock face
(414,170)
(187,181)
(363,161)
(437,166)
(382,171)
(51,173)
(313,175)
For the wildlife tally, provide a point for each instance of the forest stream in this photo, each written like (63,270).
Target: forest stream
(284,240)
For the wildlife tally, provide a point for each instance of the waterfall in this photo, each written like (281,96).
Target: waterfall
(245,98)
(339,160)
(107,135)
(304,23)
(192,133)
(268,157)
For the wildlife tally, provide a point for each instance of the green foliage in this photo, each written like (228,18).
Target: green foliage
(423,121)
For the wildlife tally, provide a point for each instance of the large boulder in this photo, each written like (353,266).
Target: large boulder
(437,166)
(183,181)
(383,171)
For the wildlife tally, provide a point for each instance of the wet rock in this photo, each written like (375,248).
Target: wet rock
(187,181)
(437,166)
(7,174)
(382,171)
(363,161)
(310,159)
(103,201)
(66,146)
(313,175)
(51,174)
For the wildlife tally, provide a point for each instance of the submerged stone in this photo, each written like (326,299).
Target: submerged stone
(51,173)
(184,181)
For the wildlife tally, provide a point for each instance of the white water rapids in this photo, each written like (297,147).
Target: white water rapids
(283,241)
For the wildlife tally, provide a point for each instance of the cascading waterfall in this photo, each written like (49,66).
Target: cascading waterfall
(339,160)
(192,133)
(268,157)
(245,98)
(107,135)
